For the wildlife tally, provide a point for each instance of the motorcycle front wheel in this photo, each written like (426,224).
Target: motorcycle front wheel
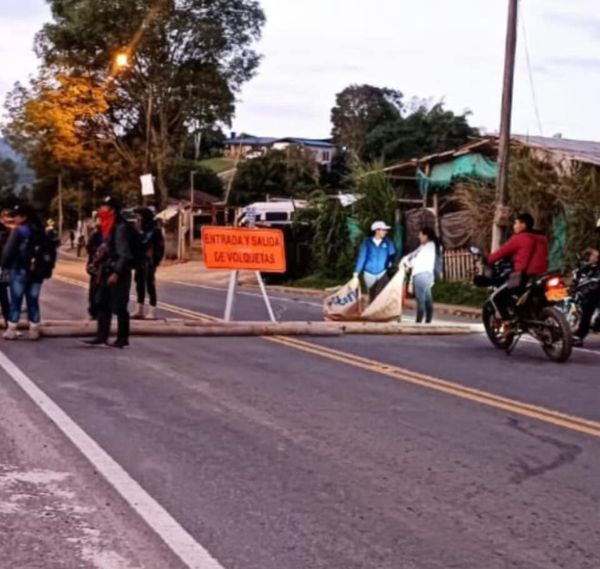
(557,336)
(495,328)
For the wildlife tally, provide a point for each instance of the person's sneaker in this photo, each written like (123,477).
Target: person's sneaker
(96,343)
(139,315)
(152,313)
(11,332)
(34,331)
(120,344)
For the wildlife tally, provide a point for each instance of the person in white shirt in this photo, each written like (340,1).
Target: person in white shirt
(423,263)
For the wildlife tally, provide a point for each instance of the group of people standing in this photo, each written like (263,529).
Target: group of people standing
(378,254)
(116,249)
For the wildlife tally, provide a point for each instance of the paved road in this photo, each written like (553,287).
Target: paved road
(339,453)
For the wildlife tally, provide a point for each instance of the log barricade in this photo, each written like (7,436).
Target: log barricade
(195,328)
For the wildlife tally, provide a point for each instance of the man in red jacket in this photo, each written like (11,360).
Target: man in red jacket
(528,251)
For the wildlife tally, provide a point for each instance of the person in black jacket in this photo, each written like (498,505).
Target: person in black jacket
(592,298)
(152,250)
(113,264)
(17,260)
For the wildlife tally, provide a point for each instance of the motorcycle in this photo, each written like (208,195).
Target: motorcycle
(585,283)
(535,310)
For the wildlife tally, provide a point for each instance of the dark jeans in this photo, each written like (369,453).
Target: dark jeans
(423,282)
(21,287)
(4,301)
(111,300)
(506,298)
(145,280)
(587,312)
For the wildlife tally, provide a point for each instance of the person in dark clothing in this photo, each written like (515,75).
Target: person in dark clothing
(5,220)
(528,251)
(16,258)
(80,245)
(93,245)
(72,239)
(592,299)
(113,263)
(152,246)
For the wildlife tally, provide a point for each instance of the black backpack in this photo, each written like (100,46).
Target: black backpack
(136,244)
(42,255)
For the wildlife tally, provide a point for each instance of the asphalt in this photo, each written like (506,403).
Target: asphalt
(275,458)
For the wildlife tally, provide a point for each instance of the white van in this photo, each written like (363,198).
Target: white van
(278,212)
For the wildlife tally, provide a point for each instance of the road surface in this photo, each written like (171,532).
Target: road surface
(331,453)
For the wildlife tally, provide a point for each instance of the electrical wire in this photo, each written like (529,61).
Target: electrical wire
(530,73)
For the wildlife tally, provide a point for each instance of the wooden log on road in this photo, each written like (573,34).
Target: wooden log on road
(401,329)
(196,328)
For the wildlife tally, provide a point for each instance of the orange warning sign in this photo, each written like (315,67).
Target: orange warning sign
(244,249)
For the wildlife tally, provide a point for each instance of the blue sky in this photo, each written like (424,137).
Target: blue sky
(439,49)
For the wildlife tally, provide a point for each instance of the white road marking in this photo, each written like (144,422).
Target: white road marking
(181,543)
(529,340)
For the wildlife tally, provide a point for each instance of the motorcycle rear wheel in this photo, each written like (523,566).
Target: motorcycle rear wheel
(495,329)
(557,338)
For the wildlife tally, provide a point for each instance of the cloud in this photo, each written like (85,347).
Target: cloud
(24,10)
(586,63)
(579,21)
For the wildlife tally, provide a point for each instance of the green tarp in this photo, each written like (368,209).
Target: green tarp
(559,241)
(467,166)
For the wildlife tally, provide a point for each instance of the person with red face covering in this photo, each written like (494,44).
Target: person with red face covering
(112,262)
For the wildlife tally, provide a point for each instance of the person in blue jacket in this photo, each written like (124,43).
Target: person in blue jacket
(377,254)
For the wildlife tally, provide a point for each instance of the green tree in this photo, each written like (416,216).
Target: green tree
(188,59)
(333,251)
(292,172)
(359,109)
(424,131)
(8,178)
(378,200)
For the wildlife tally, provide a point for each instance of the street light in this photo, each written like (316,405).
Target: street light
(121,60)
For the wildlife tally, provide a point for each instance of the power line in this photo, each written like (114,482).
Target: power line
(530,73)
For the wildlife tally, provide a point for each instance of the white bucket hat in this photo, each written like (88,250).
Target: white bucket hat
(378,225)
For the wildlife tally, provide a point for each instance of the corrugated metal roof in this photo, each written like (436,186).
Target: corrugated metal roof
(314,142)
(268,141)
(584,151)
(580,150)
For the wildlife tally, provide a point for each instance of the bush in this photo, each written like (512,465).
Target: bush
(463,294)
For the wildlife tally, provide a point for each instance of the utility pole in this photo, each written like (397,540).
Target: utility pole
(505,123)
(197,144)
(79,209)
(148,136)
(192,174)
(60,207)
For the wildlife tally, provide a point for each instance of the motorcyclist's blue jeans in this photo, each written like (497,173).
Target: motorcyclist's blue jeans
(423,283)
(21,287)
